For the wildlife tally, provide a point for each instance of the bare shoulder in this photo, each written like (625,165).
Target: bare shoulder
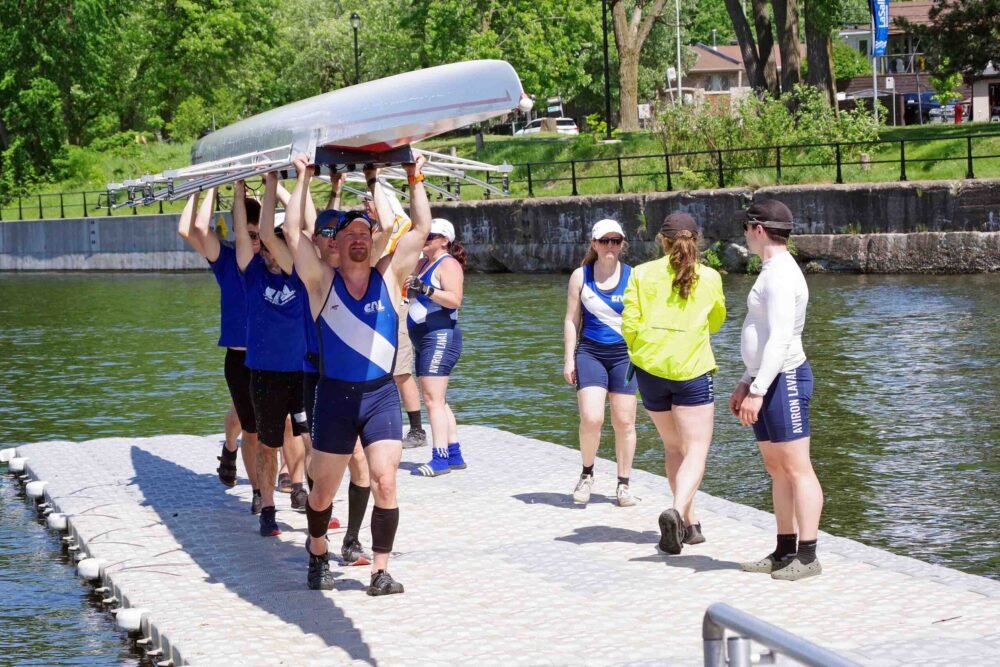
(576,278)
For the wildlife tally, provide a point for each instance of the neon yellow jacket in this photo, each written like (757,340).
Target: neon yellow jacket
(667,336)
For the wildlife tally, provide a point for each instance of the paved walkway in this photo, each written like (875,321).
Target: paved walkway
(499,568)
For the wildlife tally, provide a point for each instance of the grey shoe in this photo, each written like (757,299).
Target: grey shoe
(765,565)
(352,553)
(625,497)
(796,569)
(415,437)
(671,532)
(581,494)
(299,499)
(693,535)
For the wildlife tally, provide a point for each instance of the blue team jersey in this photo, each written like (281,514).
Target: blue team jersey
(275,337)
(232,302)
(311,359)
(602,310)
(424,314)
(357,337)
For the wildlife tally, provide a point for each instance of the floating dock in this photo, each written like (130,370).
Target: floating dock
(499,567)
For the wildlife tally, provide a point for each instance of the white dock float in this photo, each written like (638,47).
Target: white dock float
(499,568)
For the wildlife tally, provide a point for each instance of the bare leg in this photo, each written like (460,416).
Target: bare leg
(694,425)
(358,466)
(435,390)
(409,395)
(250,448)
(591,403)
(664,423)
(623,422)
(383,462)
(232,428)
(267,468)
(452,425)
(326,470)
(294,452)
(807,495)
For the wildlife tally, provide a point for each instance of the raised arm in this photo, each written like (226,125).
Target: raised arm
(186,221)
(336,186)
(381,214)
(307,263)
(203,227)
(571,325)
(279,251)
(404,259)
(244,246)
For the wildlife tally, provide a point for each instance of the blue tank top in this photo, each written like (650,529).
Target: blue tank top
(311,358)
(233,301)
(602,310)
(357,337)
(275,339)
(425,315)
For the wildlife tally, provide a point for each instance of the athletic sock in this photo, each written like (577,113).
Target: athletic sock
(588,470)
(414,419)
(622,480)
(807,551)
(442,452)
(256,492)
(785,546)
(357,503)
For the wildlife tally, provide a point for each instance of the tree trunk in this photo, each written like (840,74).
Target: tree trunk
(630,34)
(786,18)
(819,51)
(765,45)
(748,47)
(628,77)
(3,136)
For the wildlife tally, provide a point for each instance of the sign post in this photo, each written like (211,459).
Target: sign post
(880,38)
(890,84)
(554,104)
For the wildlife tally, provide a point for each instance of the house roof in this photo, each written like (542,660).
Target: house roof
(914,12)
(725,58)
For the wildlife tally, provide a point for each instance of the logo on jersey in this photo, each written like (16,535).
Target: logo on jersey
(374,307)
(617,298)
(272,295)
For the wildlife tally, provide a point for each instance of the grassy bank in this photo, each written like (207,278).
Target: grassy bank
(932,152)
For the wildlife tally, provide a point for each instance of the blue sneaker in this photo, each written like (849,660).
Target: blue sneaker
(438,465)
(455,460)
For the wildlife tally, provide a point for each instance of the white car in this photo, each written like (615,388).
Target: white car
(563,126)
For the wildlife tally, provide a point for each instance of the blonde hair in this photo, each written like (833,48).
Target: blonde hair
(682,249)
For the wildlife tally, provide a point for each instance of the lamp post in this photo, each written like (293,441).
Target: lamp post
(355,24)
(607,75)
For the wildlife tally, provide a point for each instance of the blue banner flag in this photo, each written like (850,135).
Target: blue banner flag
(880,16)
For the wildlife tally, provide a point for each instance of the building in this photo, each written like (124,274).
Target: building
(986,95)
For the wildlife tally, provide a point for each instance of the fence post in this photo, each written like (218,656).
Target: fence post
(20,211)
(670,183)
(621,186)
(840,173)
(62,206)
(572,164)
(161,207)
(722,176)
(968,155)
(902,159)
(40,214)
(531,192)
(109,203)
(85,214)
(777,150)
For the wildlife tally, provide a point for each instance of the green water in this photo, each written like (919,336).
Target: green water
(905,420)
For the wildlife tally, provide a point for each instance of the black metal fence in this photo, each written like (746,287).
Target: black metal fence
(964,156)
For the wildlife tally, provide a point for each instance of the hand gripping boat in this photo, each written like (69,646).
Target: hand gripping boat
(370,123)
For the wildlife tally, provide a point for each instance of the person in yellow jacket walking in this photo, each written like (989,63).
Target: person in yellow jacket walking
(672,304)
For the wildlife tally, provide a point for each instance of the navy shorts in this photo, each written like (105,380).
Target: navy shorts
(437,351)
(309,382)
(605,366)
(346,411)
(660,394)
(785,413)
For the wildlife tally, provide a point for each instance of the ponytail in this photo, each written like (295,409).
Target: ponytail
(682,250)
(458,251)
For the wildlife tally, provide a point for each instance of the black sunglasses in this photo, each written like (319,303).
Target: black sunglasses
(616,241)
(431,237)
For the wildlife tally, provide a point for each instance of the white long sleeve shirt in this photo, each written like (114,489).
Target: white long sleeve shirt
(771,342)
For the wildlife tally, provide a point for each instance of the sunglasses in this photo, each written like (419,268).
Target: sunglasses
(328,232)
(431,237)
(616,241)
(254,236)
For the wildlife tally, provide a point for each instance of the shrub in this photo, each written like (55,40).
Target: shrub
(712,256)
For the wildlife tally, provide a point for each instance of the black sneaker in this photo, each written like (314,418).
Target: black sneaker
(384,584)
(256,503)
(227,467)
(319,578)
(415,437)
(299,499)
(268,525)
(693,534)
(671,532)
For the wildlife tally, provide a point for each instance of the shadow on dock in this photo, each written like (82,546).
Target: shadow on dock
(219,533)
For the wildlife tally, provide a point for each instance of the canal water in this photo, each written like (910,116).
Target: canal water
(905,420)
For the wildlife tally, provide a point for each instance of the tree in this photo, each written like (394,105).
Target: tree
(757,52)
(631,30)
(786,17)
(964,35)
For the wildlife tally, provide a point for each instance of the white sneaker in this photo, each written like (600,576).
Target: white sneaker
(625,497)
(581,494)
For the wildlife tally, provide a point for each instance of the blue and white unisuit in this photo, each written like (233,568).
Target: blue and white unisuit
(434,330)
(356,397)
(602,309)
(275,301)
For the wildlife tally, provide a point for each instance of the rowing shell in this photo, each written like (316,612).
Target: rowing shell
(377,115)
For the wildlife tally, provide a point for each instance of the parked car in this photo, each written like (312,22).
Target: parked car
(563,126)
(946,113)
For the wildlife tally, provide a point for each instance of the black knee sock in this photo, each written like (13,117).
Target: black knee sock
(807,551)
(588,470)
(623,480)
(785,547)
(414,419)
(318,520)
(357,503)
(384,524)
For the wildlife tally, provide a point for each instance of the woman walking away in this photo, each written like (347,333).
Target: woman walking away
(671,306)
(773,395)
(596,358)
(437,339)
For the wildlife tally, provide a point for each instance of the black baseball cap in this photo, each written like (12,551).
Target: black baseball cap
(769,213)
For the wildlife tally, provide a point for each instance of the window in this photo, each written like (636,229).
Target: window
(863,47)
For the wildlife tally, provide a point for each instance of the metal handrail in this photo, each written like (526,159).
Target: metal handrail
(735,652)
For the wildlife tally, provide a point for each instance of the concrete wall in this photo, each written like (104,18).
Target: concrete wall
(546,234)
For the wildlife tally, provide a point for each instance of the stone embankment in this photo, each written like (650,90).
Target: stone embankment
(918,227)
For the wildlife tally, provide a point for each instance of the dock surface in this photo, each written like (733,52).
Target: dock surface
(499,567)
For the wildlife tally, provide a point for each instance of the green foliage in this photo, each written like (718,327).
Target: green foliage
(962,35)
(753,264)
(712,256)
(191,119)
(946,84)
(853,229)
(848,62)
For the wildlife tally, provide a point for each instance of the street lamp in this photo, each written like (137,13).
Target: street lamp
(607,76)
(355,24)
